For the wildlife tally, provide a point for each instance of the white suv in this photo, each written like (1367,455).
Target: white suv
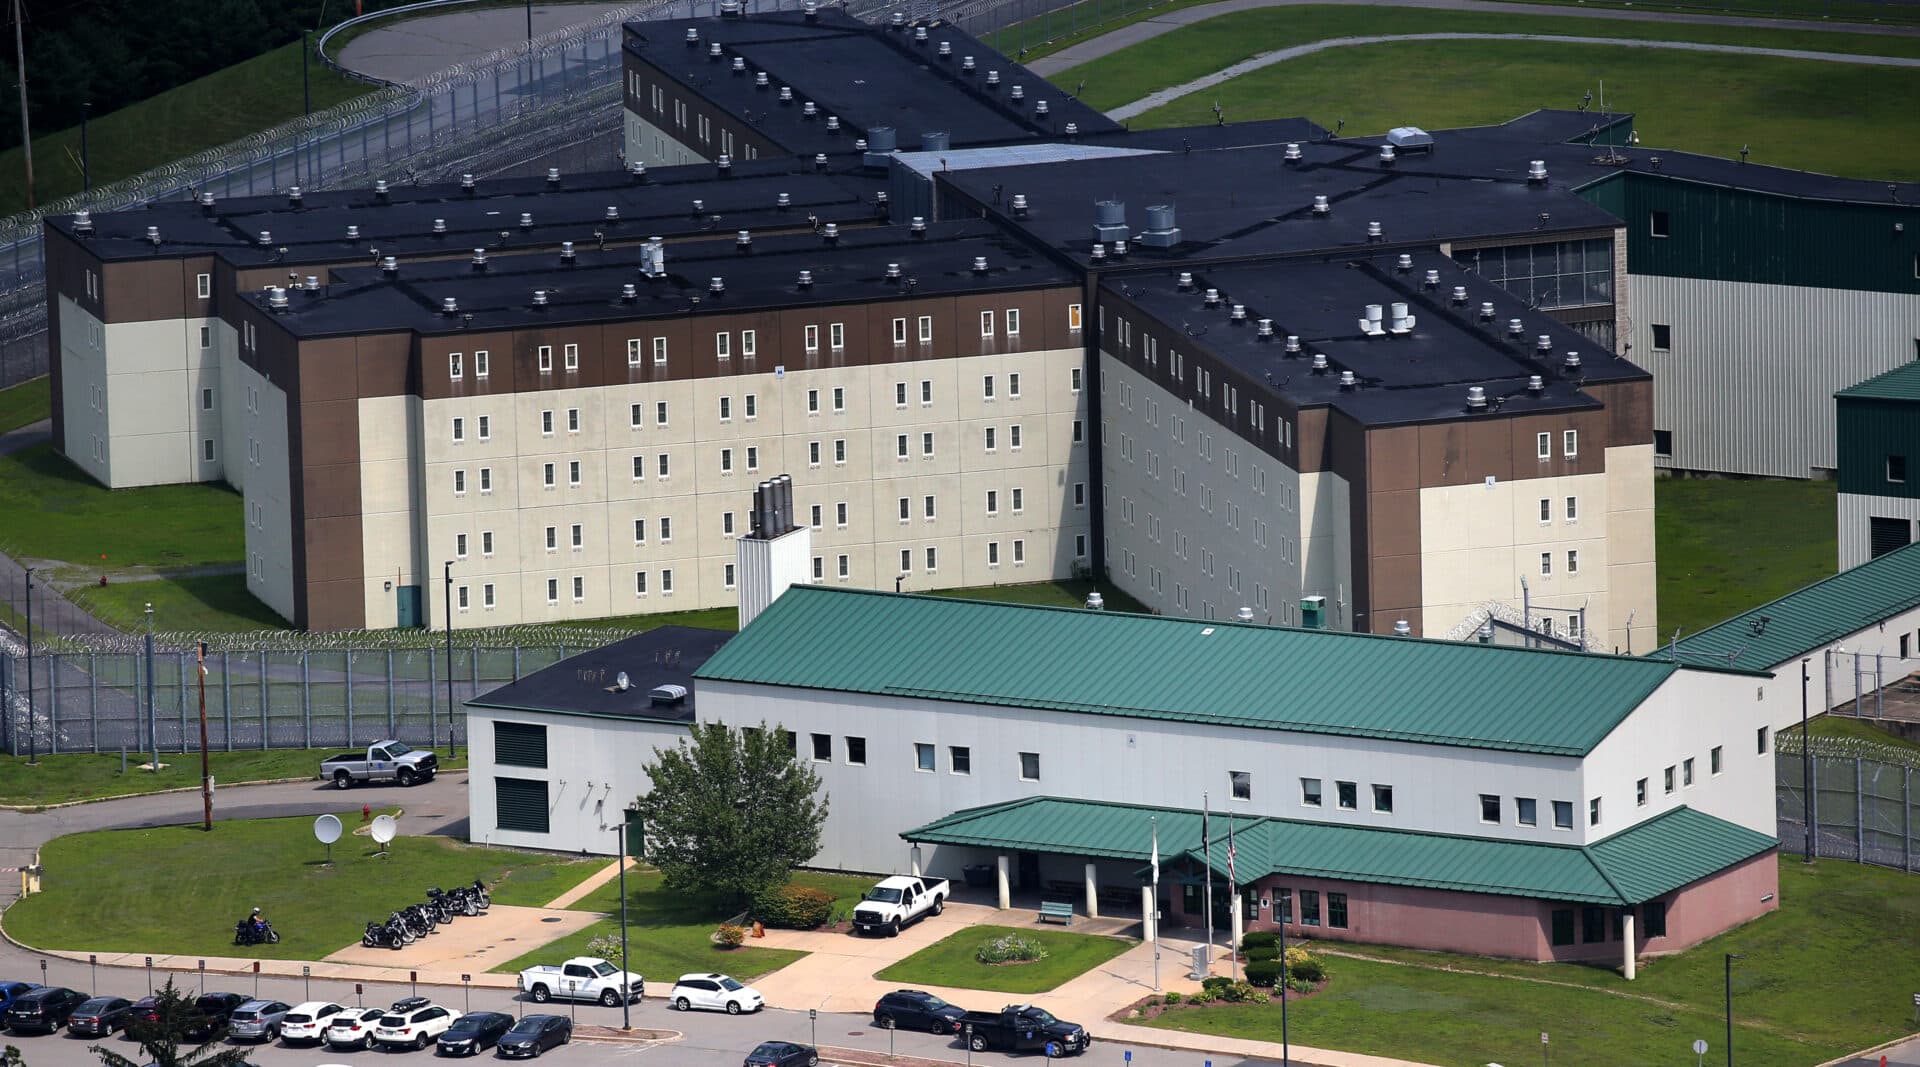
(415,1021)
(353,1027)
(714,992)
(308,1021)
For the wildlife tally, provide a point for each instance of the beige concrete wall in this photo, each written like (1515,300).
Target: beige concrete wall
(390,499)
(1326,556)
(1632,563)
(83,393)
(154,372)
(1477,541)
(268,497)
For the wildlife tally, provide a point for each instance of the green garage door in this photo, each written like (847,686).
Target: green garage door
(519,744)
(520,804)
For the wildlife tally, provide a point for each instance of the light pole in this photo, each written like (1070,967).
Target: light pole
(33,747)
(1806,763)
(1280,916)
(452,750)
(153,733)
(626,1011)
(206,771)
(1731,956)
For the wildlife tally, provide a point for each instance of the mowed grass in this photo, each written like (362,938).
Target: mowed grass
(58,779)
(224,106)
(1792,113)
(950,961)
(1831,971)
(1727,545)
(1217,43)
(215,602)
(668,933)
(195,885)
(26,403)
(1847,728)
(50,510)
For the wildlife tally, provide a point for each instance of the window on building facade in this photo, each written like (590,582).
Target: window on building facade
(1563,814)
(1310,792)
(1526,811)
(857,751)
(922,756)
(1489,808)
(959,759)
(1029,766)
(1348,795)
(1337,911)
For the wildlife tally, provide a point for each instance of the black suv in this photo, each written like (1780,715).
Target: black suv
(42,1010)
(914,1009)
(211,1012)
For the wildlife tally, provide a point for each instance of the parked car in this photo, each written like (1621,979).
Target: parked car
(582,978)
(10,990)
(714,992)
(535,1034)
(383,761)
(144,1013)
(100,1017)
(257,1020)
(42,1010)
(895,902)
(210,1014)
(782,1054)
(914,1009)
(474,1033)
(415,1025)
(353,1028)
(308,1021)
(1023,1028)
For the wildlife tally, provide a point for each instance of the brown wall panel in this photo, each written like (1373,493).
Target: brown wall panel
(1393,458)
(143,290)
(1393,523)
(331,490)
(329,369)
(335,605)
(1489,451)
(333,549)
(382,362)
(1394,593)
(1629,412)
(330,431)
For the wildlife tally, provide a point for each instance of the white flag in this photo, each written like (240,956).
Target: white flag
(1156,857)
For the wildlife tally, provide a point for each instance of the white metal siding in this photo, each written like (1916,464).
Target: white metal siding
(1856,510)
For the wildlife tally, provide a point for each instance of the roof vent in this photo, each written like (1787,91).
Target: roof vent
(553,175)
(1543,344)
(893,272)
(613,213)
(1293,153)
(1019,205)
(1536,384)
(526,220)
(724,165)
(1238,313)
(566,253)
(898,20)
(783,201)
(1320,206)
(667,694)
(539,298)
(716,285)
(449,305)
(313,283)
(1570,362)
(1319,363)
(266,237)
(206,202)
(1211,298)
(1375,232)
(819,161)
(1516,329)
(1120,248)
(809,110)
(1264,329)
(811,10)
(739,65)
(276,298)
(1099,253)
(390,266)
(786,94)
(1404,263)
(1476,398)
(1347,380)
(833,124)
(1370,323)
(1185,281)
(294,196)
(743,241)
(693,35)
(917,226)
(919,35)
(1110,220)
(1293,344)
(380,189)
(440,226)
(805,280)
(1072,130)
(1402,320)
(83,221)
(830,233)
(467,184)
(1486,311)
(1039,107)
(1459,296)
(935,140)
(479,259)
(945,51)
(629,292)
(729,9)
(1386,155)
(1017,93)
(966,64)
(1401,629)
(1161,231)
(1537,170)
(353,233)
(979,264)
(993,77)
(1431,279)
(760,79)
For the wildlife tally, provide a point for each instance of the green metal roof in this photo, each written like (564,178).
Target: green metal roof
(1221,673)
(1807,618)
(1631,867)
(1900,383)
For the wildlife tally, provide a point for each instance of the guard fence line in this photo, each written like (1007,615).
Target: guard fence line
(1864,804)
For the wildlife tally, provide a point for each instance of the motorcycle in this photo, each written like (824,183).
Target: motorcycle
(480,895)
(465,899)
(402,929)
(382,935)
(247,932)
(440,906)
(418,921)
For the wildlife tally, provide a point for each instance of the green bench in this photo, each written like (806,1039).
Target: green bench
(1056,909)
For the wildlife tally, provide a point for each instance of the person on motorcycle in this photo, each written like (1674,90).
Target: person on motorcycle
(259,922)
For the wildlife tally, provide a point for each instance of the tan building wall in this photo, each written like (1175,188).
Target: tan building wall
(267,499)
(1479,541)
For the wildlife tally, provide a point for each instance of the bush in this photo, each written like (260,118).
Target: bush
(1261,952)
(605,947)
(1308,970)
(1009,948)
(730,936)
(794,907)
(1173,998)
(1264,973)
(1259,939)
(1300,985)
(1242,993)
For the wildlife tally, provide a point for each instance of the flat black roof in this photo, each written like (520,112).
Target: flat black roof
(863,75)
(852,269)
(1417,377)
(588,684)
(1249,202)
(573,209)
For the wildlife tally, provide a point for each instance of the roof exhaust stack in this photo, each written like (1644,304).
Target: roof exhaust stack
(1292,155)
(480,260)
(467,184)
(1516,330)
(553,177)
(1543,346)
(276,298)
(153,234)
(449,305)
(629,292)
(390,266)
(1211,298)
(294,197)
(1110,221)
(1161,231)
(266,237)
(637,171)
(1486,311)
(805,280)
(1459,296)
(1347,380)
(526,220)
(1536,171)
(1184,282)
(1432,280)
(539,298)
(743,242)
(917,227)
(1404,264)
(1371,322)
(1570,362)
(1401,629)
(380,190)
(1476,398)
(1386,155)
(83,222)
(1321,208)
(353,233)
(440,227)
(830,233)
(1019,205)
(1536,384)
(1402,320)
(1263,329)
(566,253)
(980,264)
(1375,232)
(206,203)
(1319,363)
(717,285)
(1293,344)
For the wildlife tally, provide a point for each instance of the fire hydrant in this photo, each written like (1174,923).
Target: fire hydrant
(759,928)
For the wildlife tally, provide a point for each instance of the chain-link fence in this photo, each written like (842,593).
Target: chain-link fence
(1864,805)
(256,698)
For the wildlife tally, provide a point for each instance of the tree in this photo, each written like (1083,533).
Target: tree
(731,813)
(161,1043)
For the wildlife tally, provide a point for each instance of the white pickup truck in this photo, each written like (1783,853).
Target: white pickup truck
(582,978)
(898,901)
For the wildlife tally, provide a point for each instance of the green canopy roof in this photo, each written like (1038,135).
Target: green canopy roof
(1900,383)
(1220,673)
(1808,618)
(1633,866)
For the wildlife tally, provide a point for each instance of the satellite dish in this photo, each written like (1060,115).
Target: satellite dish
(384,828)
(326,829)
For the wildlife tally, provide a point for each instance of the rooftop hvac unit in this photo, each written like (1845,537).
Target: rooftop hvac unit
(1161,231)
(1110,220)
(1410,139)
(653,258)
(667,694)
(1371,322)
(1313,612)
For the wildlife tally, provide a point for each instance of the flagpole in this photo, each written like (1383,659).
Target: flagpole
(1206,845)
(1153,905)
(1233,892)
(1284,913)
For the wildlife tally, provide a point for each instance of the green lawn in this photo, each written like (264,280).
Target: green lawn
(1721,550)
(207,881)
(58,779)
(950,962)
(211,111)
(216,602)
(50,510)
(667,932)
(26,403)
(1793,113)
(1833,970)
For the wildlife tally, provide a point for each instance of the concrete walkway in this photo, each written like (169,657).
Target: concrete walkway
(1147,29)
(1268,59)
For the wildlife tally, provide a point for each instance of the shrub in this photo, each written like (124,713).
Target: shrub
(1308,970)
(730,936)
(794,907)
(1009,948)
(1173,998)
(605,947)
(1264,973)
(1300,985)
(1262,952)
(1242,993)
(1259,939)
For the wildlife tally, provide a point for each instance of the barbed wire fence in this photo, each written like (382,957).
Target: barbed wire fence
(1863,809)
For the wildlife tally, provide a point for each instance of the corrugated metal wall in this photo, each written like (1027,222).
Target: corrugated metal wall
(1869,432)
(1856,514)
(1748,384)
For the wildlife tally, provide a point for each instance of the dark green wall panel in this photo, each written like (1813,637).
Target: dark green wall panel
(1868,432)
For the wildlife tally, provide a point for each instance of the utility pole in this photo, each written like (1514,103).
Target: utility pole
(206,771)
(529,32)
(20,63)
(451,750)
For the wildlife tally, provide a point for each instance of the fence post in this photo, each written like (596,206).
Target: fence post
(265,697)
(1813,797)
(306,700)
(390,692)
(516,663)
(1859,810)
(53,705)
(93,701)
(226,697)
(180,672)
(433,694)
(1906,819)
(349,657)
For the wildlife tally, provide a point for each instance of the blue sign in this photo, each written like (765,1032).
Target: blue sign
(1129,1055)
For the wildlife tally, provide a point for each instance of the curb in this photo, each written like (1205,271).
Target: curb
(613,1035)
(1170,1047)
(1868,1053)
(33,808)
